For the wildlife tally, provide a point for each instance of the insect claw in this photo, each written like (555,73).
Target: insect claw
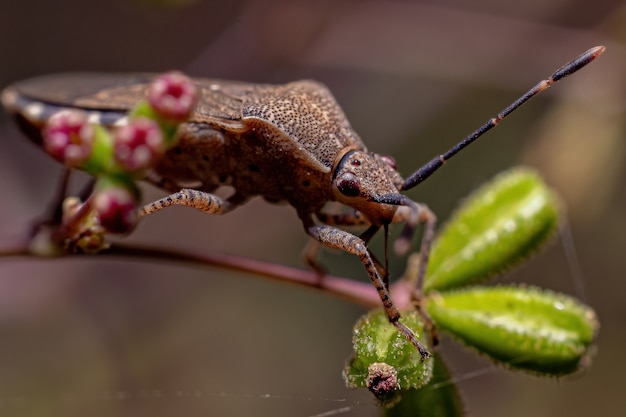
(411,337)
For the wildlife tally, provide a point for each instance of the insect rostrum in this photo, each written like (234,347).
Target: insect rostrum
(288,143)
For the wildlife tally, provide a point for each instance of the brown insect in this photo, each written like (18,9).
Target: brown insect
(288,143)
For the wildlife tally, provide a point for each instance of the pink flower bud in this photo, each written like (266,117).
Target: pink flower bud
(173,96)
(117,209)
(68,137)
(139,144)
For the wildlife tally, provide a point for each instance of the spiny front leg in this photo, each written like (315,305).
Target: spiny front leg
(311,251)
(352,218)
(199,200)
(340,239)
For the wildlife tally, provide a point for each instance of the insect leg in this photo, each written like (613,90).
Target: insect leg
(200,200)
(352,218)
(311,251)
(340,239)
(383,270)
(414,214)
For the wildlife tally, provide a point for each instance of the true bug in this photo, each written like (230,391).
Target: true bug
(288,143)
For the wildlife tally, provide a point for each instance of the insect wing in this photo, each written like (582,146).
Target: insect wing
(89,91)
(108,97)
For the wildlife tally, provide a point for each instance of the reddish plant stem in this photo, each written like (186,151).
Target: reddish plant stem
(356,292)
(361,293)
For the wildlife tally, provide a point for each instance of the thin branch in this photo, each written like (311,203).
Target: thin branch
(351,290)
(361,293)
(15,248)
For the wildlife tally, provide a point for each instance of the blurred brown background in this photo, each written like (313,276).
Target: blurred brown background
(116,338)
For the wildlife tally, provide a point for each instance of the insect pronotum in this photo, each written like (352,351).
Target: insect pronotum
(287,142)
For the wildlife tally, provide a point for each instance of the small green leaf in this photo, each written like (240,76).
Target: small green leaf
(384,361)
(101,158)
(527,328)
(498,227)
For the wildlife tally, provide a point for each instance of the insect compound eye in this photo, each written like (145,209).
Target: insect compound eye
(348,184)
(389,160)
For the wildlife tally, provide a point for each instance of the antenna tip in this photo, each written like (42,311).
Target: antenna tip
(582,60)
(596,51)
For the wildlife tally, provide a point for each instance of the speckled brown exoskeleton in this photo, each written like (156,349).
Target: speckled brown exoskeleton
(288,143)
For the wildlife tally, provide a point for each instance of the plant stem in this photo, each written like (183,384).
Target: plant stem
(361,293)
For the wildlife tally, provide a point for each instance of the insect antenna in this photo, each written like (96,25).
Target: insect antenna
(434,164)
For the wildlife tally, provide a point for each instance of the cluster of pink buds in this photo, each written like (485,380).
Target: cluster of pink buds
(173,96)
(138,145)
(119,158)
(69,138)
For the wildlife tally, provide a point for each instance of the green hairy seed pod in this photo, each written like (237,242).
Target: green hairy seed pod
(522,327)
(499,226)
(384,361)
